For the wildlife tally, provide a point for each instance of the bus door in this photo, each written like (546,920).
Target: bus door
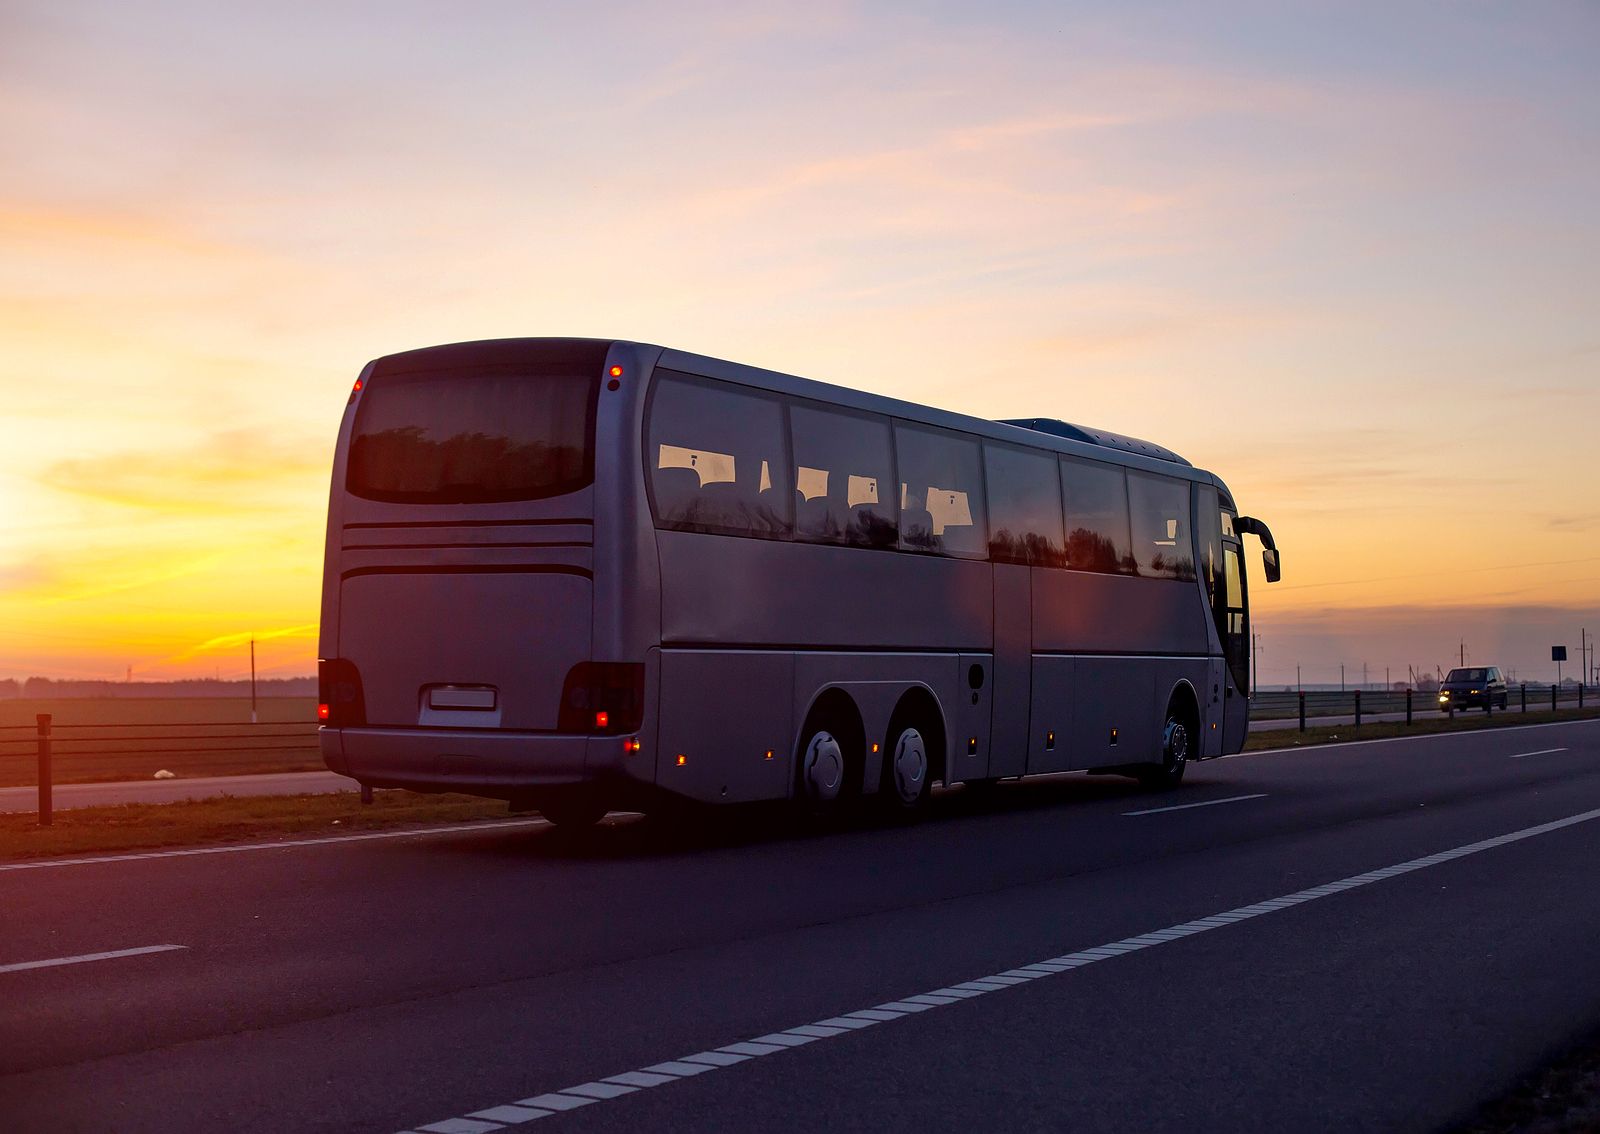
(1013,669)
(1234,628)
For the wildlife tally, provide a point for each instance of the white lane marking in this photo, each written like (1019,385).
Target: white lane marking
(239,848)
(1205,803)
(1541,752)
(1455,734)
(84,958)
(872,1017)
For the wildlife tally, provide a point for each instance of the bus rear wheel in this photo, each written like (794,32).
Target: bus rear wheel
(907,775)
(1175,750)
(821,768)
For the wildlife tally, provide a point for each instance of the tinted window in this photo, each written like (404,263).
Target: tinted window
(941,492)
(1024,507)
(1465,675)
(717,460)
(474,436)
(1163,546)
(843,478)
(1096,498)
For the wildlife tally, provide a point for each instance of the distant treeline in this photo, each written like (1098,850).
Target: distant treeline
(45,687)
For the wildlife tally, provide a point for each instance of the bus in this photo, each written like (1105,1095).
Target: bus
(585,575)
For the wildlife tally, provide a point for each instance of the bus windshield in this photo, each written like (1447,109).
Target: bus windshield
(473,437)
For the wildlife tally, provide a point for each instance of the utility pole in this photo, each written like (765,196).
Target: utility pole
(1341,677)
(252,680)
(1363,675)
(1298,684)
(1463,651)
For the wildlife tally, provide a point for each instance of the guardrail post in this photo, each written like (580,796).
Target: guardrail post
(1302,710)
(1524,696)
(1580,694)
(45,807)
(1488,703)
(1552,698)
(1358,708)
(1408,705)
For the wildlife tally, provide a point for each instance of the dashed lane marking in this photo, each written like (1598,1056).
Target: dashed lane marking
(775,1043)
(1203,803)
(1541,752)
(85,958)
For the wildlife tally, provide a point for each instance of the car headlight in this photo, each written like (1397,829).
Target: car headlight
(1444,696)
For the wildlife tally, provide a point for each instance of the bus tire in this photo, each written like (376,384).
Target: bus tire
(907,776)
(1177,745)
(828,763)
(572,812)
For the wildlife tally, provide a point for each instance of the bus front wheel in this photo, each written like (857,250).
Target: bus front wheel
(1175,746)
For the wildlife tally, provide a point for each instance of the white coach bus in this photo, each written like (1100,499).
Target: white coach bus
(585,575)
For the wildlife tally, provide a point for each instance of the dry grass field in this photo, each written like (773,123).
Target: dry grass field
(97,740)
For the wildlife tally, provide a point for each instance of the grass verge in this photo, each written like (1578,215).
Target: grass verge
(230,819)
(1423,726)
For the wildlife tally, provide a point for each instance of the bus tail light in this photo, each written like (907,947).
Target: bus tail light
(340,698)
(603,697)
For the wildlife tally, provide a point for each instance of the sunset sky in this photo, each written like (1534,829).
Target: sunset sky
(1348,257)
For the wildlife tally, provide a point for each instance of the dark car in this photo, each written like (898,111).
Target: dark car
(1476,687)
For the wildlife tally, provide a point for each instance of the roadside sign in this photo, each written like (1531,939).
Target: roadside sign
(1558,653)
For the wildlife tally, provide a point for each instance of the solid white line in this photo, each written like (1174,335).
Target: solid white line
(1541,752)
(1207,803)
(86,957)
(866,1018)
(238,848)
(1456,734)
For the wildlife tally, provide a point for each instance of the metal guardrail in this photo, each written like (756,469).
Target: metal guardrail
(1353,704)
(48,742)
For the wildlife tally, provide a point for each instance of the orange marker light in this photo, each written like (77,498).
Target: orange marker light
(602,719)
(631,745)
(769,754)
(615,372)
(322,712)
(682,759)
(874,747)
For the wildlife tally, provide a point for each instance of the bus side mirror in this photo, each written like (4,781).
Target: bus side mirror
(1269,560)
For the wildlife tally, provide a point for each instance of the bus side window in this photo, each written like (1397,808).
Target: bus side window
(941,492)
(1162,544)
(716,459)
(1024,507)
(842,468)
(1096,499)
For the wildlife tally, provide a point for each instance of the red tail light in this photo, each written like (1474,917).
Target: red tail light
(341,700)
(603,697)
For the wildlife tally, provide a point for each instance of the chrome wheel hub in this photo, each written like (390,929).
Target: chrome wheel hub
(823,767)
(1176,744)
(910,765)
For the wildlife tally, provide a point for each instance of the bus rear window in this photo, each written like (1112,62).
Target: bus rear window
(474,435)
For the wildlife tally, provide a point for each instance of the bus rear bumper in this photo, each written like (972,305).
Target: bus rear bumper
(501,765)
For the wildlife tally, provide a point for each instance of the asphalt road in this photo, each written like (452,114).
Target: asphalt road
(1060,942)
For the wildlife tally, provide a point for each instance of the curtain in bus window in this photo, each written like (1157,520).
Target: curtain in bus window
(842,476)
(1024,507)
(473,437)
(941,492)
(1158,507)
(1096,501)
(716,458)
